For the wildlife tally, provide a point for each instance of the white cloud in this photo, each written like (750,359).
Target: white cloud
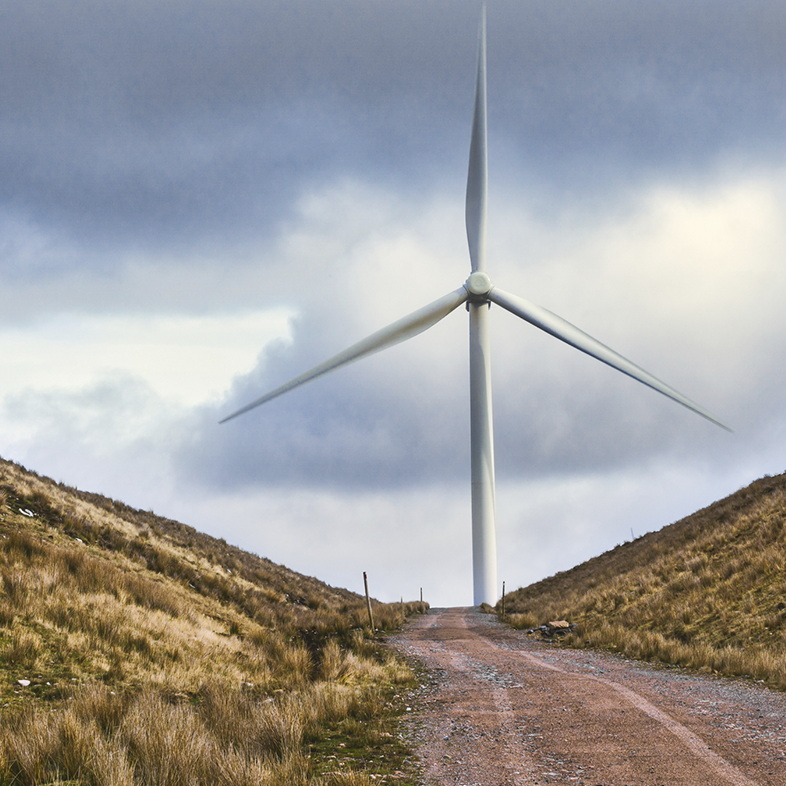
(186,360)
(686,280)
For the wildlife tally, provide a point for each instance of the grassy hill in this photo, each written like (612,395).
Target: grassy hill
(136,650)
(708,592)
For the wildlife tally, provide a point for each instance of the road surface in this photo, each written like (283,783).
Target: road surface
(499,708)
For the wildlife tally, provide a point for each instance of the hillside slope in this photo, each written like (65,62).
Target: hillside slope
(134,649)
(708,591)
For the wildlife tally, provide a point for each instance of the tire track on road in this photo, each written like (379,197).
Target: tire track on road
(691,741)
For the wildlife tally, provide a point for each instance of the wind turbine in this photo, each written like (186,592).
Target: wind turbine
(478,293)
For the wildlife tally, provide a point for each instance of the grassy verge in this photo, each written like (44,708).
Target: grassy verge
(708,592)
(320,734)
(134,650)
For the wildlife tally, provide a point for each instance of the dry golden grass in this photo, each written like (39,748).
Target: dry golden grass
(707,592)
(158,655)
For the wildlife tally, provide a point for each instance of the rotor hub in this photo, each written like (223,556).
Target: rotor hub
(478,285)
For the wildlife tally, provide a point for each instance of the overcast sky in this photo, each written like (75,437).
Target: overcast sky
(199,200)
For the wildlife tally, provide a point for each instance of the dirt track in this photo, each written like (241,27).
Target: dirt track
(500,708)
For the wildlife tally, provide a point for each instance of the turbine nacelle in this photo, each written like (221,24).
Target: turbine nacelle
(478,286)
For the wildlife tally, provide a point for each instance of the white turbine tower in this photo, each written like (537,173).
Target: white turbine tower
(479,293)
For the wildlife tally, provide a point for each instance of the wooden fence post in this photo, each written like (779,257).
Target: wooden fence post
(368,603)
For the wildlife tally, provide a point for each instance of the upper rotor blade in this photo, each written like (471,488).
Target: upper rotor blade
(399,331)
(477,178)
(562,329)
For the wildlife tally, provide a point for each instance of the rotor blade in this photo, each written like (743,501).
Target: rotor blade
(399,331)
(559,328)
(477,178)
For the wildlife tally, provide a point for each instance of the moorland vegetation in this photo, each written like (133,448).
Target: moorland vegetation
(136,650)
(707,592)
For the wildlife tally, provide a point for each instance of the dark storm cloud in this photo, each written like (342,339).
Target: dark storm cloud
(642,83)
(387,425)
(177,118)
(183,122)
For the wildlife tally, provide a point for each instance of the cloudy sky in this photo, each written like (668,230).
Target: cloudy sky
(199,200)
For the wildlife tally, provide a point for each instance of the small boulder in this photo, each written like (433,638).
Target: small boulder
(555,628)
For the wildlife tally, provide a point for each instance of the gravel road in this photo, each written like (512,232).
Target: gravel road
(499,708)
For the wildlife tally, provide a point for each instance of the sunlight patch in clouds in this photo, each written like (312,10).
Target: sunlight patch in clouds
(186,360)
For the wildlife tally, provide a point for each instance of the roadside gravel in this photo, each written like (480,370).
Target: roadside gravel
(499,708)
